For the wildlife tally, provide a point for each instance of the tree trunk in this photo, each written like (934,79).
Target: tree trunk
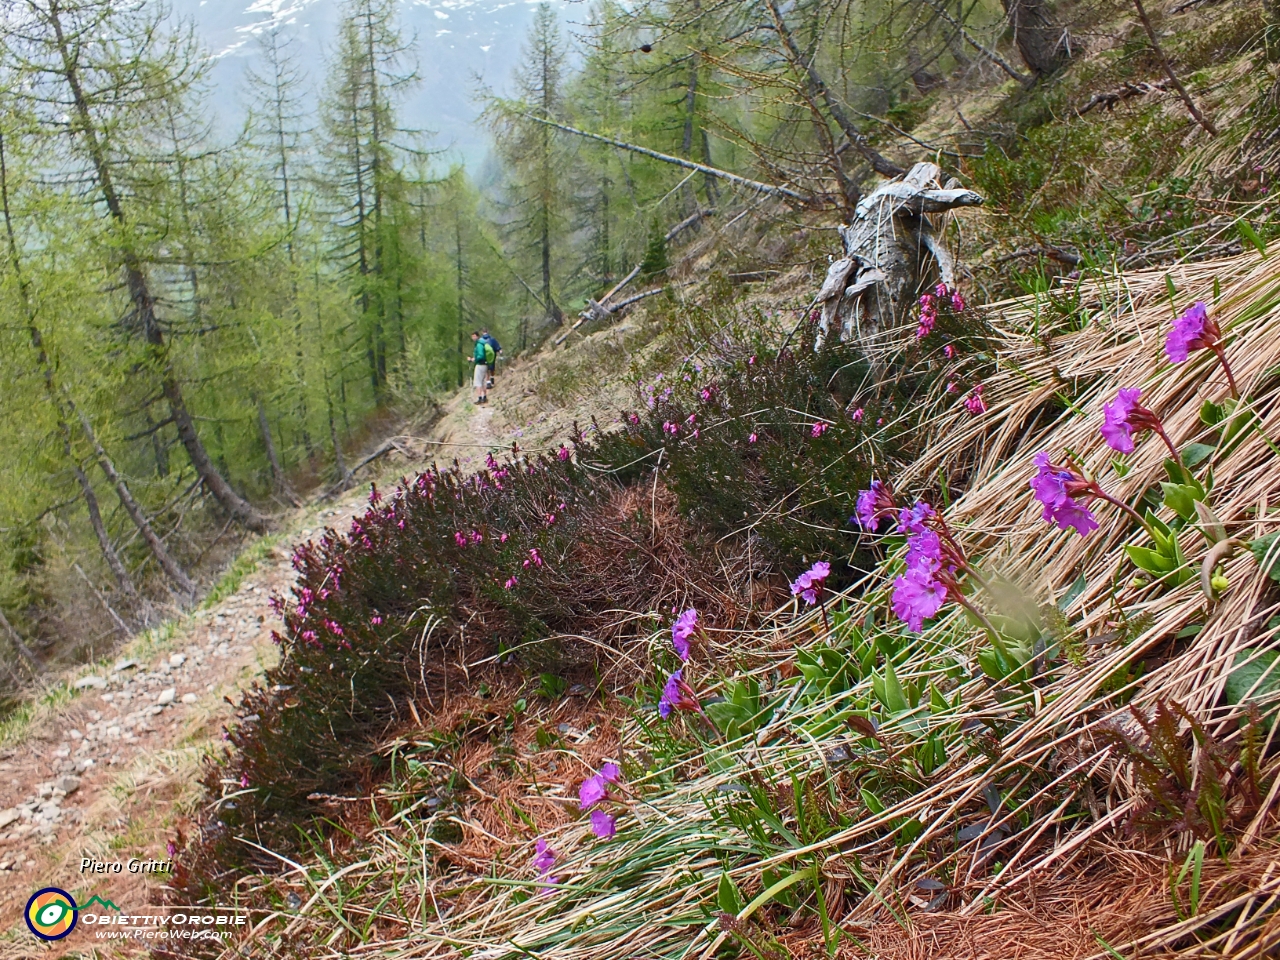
(339,465)
(51,391)
(136,514)
(100,529)
(273,457)
(143,302)
(1043,43)
(16,639)
(818,90)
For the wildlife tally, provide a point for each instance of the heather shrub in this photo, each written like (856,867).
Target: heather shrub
(773,445)
(531,564)
(546,565)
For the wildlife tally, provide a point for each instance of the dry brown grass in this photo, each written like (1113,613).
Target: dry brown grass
(1063,882)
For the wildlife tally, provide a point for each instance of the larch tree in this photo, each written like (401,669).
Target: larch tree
(99,74)
(368,74)
(536,158)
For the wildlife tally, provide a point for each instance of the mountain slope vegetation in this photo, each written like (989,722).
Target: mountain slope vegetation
(871,644)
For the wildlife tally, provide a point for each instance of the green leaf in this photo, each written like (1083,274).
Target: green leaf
(872,801)
(777,888)
(728,899)
(724,712)
(1250,234)
(888,646)
(1196,453)
(895,698)
(1266,550)
(1181,498)
(1073,592)
(1156,564)
(989,661)
(1212,414)
(937,702)
(1255,672)
(910,830)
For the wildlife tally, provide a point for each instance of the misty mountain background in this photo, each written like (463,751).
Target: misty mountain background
(458,41)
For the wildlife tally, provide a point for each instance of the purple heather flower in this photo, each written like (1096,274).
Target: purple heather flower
(1058,489)
(858,414)
(563,452)
(819,429)
(809,584)
(596,788)
(912,519)
(677,695)
(917,596)
(546,858)
(974,402)
(752,439)
(924,551)
(603,825)
(1191,331)
(682,630)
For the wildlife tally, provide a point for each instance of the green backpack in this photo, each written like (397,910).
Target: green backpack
(489,355)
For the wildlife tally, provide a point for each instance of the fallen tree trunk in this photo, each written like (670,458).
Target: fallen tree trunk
(750,184)
(601,309)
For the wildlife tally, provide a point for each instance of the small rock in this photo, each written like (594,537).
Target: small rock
(7,817)
(75,734)
(98,683)
(84,764)
(177,660)
(108,697)
(167,696)
(124,665)
(68,784)
(190,698)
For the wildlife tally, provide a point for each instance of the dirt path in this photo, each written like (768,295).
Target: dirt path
(105,776)
(109,767)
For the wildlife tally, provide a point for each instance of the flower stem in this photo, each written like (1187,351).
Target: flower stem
(823,607)
(1226,368)
(1177,457)
(1098,491)
(982,617)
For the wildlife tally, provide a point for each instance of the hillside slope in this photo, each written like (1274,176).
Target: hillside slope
(1044,745)
(106,764)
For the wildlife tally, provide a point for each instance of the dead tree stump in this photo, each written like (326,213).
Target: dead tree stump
(892,247)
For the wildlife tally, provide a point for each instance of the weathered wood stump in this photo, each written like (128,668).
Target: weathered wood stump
(893,248)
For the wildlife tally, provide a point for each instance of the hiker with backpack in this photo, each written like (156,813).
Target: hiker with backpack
(483,357)
(497,352)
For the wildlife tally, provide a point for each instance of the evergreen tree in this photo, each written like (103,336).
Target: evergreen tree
(100,74)
(536,158)
(367,75)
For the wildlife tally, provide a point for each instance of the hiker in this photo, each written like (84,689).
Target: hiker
(497,352)
(482,356)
